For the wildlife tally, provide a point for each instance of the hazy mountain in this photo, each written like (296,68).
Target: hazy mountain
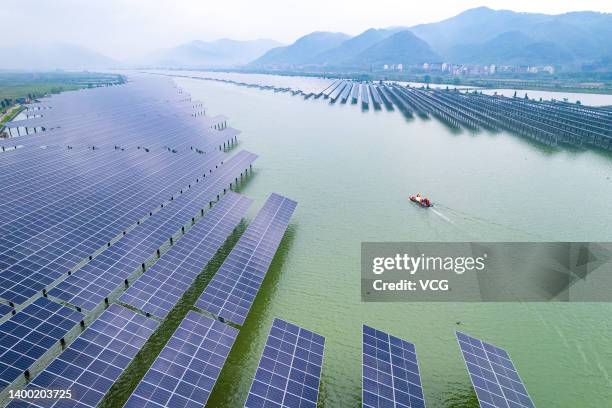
(512,47)
(303,51)
(347,50)
(400,48)
(562,39)
(224,52)
(476,25)
(52,56)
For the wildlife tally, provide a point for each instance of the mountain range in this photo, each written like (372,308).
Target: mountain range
(478,36)
(201,54)
(41,57)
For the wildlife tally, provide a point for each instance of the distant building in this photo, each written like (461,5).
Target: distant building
(400,67)
(426,67)
(549,68)
(386,66)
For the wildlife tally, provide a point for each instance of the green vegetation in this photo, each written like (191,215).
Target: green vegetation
(11,113)
(16,88)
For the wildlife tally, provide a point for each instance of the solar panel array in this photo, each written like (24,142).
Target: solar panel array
(391,375)
(88,286)
(187,368)
(111,157)
(82,225)
(94,361)
(159,289)
(232,290)
(289,371)
(27,335)
(494,377)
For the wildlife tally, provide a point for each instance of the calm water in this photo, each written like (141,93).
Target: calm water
(351,172)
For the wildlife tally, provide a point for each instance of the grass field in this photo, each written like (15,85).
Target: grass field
(11,113)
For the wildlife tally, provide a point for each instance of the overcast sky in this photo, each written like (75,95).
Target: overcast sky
(126,28)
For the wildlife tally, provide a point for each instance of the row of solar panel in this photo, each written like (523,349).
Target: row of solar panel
(80,169)
(391,376)
(59,241)
(136,120)
(187,368)
(231,292)
(49,169)
(67,204)
(19,356)
(155,133)
(48,254)
(157,291)
(91,284)
(186,209)
(390,368)
(288,374)
(26,344)
(89,395)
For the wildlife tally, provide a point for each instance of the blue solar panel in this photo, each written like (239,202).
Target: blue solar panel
(390,372)
(289,371)
(5,309)
(94,361)
(69,202)
(29,334)
(159,289)
(185,372)
(231,292)
(365,98)
(375,97)
(52,250)
(88,286)
(494,377)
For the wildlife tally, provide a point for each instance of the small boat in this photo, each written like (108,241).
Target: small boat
(420,200)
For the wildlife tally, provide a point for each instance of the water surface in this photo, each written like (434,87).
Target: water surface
(351,173)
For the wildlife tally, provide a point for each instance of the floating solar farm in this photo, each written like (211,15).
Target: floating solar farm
(552,123)
(124,196)
(122,199)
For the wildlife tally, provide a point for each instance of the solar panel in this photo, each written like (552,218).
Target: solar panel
(48,254)
(4,310)
(365,98)
(159,289)
(375,96)
(390,372)
(94,361)
(29,334)
(289,371)
(43,233)
(88,286)
(186,370)
(494,377)
(235,285)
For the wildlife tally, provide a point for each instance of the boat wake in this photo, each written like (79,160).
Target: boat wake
(475,219)
(444,217)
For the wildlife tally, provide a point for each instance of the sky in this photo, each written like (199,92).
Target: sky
(124,29)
